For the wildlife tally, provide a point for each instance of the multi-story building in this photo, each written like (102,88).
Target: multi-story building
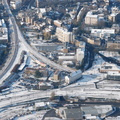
(91,19)
(64,36)
(94,18)
(102,32)
(3,32)
(79,54)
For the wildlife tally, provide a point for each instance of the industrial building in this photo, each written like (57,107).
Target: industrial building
(73,77)
(113,75)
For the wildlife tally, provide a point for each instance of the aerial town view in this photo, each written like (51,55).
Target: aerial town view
(59,59)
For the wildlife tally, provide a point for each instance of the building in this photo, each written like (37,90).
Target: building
(66,58)
(15,4)
(116,27)
(73,77)
(102,32)
(40,105)
(97,112)
(3,32)
(81,13)
(64,36)
(70,114)
(113,75)
(114,13)
(112,17)
(79,54)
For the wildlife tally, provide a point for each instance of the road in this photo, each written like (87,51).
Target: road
(15,40)
(79,91)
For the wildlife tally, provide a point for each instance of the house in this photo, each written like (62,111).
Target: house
(15,4)
(3,32)
(57,75)
(31,71)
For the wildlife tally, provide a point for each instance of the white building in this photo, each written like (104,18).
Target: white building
(94,18)
(15,4)
(3,32)
(64,36)
(102,32)
(79,54)
(73,77)
(91,19)
(66,58)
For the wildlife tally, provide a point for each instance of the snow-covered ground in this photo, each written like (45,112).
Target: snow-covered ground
(91,75)
(111,54)
(34,116)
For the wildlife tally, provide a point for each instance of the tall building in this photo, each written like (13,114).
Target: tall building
(3,32)
(79,54)
(37,3)
(64,36)
(94,18)
(91,19)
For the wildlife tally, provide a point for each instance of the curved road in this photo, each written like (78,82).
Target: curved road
(15,40)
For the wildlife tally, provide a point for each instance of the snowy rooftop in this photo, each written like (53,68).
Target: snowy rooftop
(103,31)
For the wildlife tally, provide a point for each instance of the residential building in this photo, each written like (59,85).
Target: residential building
(91,19)
(56,75)
(116,27)
(102,32)
(66,58)
(79,54)
(40,105)
(107,67)
(97,111)
(46,46)
(64,36)
(3,32)
(94,18)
